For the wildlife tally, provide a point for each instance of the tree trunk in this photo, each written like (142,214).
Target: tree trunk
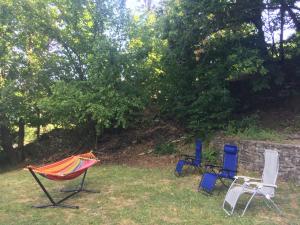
(38,126)
(148,4)
(96,141)
(6,142)
(38,131)
(281,50)
(21,134)
(257,20)
(6,139)
(292,14)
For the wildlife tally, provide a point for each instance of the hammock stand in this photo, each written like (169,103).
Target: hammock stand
(65,169)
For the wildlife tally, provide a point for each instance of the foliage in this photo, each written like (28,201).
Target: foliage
(200,64)
(145,51)
(30,132)
(74,103)
(65,68)
(165,149)
(244,123)
(93,64)
(210,155)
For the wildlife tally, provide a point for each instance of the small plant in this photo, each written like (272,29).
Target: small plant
(210,155)
(165,149)
(235,126)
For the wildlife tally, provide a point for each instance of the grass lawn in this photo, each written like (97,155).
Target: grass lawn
(134,196)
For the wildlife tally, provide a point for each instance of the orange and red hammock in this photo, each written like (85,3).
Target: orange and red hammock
(66,169)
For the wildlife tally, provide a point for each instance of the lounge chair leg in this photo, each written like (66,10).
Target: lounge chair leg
(276,207)
(248,203)
(265,200)
(229,213)
(177,174)
(223,183)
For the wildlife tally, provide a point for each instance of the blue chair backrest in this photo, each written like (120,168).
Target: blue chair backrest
(230,159)
(198,152)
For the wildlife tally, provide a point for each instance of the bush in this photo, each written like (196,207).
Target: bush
(165,149)
(210,155)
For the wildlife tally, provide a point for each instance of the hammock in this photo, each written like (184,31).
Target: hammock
(66,169)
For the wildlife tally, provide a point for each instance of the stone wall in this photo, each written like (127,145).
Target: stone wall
(251,156)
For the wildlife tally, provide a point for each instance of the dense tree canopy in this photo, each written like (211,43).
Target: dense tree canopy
(94,64)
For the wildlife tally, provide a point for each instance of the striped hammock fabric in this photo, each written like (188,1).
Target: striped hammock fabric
(68,168)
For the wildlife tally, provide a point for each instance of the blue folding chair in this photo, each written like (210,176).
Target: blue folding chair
(187,160)
(227,171)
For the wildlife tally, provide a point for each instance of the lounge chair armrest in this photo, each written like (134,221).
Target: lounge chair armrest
(213,166)
(260,185)
(246,178)
(229,170)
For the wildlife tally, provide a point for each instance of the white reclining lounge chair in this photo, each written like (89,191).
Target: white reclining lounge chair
(264,187)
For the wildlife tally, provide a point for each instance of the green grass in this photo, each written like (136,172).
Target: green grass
(249,128)
(253,132)
(133,196)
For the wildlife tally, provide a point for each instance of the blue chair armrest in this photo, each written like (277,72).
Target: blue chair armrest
(212,166)
(228,171)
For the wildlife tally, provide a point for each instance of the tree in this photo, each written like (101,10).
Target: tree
(91,65)
(52,47)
